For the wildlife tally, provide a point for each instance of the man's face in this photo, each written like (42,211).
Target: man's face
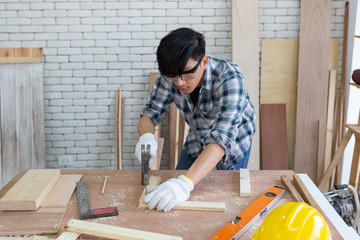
(192,76)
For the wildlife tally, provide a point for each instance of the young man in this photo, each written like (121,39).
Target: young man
(211,97)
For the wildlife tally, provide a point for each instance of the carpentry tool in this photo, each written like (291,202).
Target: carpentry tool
(84,206)
(250,215)
(345,201)
(145,160)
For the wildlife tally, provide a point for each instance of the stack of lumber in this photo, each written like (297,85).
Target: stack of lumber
(35,202)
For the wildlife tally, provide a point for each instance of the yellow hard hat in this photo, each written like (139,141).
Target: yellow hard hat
(295,221)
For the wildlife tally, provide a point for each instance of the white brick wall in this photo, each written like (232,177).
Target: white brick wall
(92,47)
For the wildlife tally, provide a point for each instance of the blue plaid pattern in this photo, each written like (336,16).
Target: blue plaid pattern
(223,114)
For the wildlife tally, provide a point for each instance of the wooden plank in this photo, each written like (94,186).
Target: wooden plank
(244,36)
(171,134)
(330,119)
(339,229)
(20,55)
(187,205)
(336,160)
(304,192)
(66,235)
(245,187)
(321,151)
(315,26)
(29,192)
(22,118)
(291,189)
(274,154)
(119,128)
(60,194)
(113,232)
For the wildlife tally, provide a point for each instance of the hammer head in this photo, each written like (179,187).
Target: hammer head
(145,160)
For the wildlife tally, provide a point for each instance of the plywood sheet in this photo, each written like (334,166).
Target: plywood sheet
(274,154)
(245,53)
(279,73)
(22,118)
(29,192)
(313,75)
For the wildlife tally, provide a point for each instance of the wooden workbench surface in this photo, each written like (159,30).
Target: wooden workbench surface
(124,188)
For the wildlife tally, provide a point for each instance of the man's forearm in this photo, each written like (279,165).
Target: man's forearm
(145,126)
(206,162)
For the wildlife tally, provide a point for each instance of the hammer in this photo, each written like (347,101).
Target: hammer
(145,159)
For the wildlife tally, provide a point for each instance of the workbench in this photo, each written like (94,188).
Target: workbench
(124,188)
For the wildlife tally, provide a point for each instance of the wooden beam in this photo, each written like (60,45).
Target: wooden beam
(20,55)
(187,205)
(245,187)
(30,191)
(113,232)
(336,160)
(304,192)
(291,189)
(244,42)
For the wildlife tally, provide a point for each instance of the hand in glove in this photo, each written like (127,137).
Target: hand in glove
(169,194)
(147,139)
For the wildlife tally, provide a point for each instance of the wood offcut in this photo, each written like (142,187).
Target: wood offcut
(187,205)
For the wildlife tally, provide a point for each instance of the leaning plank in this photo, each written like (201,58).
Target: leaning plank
(68,236)
(245,187)
(187,205)
(274,155)
(315,26)
(291,189)
(113,232)
(244,35)
(29,192)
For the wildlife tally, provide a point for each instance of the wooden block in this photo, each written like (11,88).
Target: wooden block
(68,236)
(304,192)
(274,154)
(245,186)
(29,192)
(113,232)
(60,194)
(187,205)
(291,189)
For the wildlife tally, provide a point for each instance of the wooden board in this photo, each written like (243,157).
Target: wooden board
(22,119)
(47,219)
(119,128)
(279,73)
(20,55)
(244,35)
(187,205)
(60,194)
(114,232)
(29,192)
(291,189)
(274,155)
(315,26)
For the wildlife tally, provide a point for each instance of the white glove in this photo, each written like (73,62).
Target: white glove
(169,194)
(147,139)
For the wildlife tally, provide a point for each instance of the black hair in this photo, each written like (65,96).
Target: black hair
(176,48)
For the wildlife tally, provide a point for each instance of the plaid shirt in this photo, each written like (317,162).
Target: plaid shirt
(223,114)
